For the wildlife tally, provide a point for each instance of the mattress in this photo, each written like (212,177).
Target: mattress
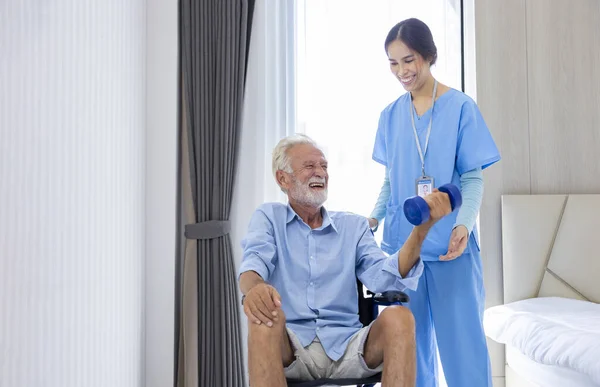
(545,375)
(552,331)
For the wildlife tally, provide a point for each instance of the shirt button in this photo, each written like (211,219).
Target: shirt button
(311,257)
(311,284)
(317,328)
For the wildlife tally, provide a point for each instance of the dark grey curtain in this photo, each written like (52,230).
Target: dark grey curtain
(214,39)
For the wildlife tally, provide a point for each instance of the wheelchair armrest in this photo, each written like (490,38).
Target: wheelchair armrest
(391,297)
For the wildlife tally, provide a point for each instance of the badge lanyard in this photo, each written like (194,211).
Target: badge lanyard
(422,153)
(424,184)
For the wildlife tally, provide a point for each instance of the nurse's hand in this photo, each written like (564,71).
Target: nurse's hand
(457,244)
(373,222)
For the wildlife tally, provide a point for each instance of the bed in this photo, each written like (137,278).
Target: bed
(550,319)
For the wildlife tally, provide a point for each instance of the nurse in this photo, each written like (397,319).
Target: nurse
(430,136)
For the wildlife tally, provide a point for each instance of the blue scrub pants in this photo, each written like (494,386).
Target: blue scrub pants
(448,308)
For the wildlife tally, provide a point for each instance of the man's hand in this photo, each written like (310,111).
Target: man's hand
(262,304)
(439,206)
(457,244)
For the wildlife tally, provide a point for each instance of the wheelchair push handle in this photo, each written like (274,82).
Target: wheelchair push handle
(416,208)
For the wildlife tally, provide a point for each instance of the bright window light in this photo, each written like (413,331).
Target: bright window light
(343,82)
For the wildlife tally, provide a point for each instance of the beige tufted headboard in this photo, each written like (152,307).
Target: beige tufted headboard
(551,246)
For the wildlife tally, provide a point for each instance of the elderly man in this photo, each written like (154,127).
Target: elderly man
(298,277)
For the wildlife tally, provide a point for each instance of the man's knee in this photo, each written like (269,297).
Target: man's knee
(263,333)
(263,338)
(395,319)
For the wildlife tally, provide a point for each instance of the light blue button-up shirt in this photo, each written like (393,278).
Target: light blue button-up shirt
(315,270)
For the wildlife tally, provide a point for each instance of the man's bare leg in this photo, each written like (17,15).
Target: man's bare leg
(391,340)
(269,351)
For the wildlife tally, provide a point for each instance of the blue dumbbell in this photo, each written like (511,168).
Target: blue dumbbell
(416,208)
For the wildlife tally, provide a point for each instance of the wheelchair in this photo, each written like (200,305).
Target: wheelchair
(368,309)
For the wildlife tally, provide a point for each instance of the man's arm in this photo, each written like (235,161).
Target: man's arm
(439,206)
(410,252)
(248,280)
(261,300)
(259,252)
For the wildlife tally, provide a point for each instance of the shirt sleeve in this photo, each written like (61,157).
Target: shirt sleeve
(380,149)
(258,246)
(384,196)
(378,272)
(472,192)
(475,147)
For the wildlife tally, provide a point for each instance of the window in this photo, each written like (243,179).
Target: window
(343,82)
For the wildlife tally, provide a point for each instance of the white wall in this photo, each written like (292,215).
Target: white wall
(72,122)
(538,71)
(161,190)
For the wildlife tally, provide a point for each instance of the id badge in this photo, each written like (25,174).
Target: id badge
(424,186)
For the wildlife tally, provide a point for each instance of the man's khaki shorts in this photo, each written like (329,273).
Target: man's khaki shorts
(313,363)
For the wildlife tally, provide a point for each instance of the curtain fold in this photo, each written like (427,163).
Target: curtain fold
(213,49)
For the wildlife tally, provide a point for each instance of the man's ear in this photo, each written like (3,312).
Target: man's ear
(282,179)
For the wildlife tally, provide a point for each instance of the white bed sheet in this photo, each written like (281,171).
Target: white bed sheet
(543,375)
(550,330)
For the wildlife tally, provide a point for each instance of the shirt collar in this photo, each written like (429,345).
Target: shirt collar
(327,220)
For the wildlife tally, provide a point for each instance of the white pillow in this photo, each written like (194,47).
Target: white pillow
(550,330)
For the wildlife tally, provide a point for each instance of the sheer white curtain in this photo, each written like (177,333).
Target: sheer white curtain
(269,109)
(319,67)
(344,82)
(269,114)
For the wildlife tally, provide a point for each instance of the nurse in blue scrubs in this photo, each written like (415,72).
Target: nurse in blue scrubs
(430,136)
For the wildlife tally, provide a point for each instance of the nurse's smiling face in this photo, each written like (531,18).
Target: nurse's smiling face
(408,66)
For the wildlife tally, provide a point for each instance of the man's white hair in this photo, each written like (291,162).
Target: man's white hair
(281,160)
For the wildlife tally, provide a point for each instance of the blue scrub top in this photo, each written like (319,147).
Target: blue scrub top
(460,141)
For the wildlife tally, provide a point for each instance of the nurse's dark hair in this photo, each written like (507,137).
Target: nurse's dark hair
(416,35)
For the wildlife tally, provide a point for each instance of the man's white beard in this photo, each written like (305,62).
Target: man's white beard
(304,195)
